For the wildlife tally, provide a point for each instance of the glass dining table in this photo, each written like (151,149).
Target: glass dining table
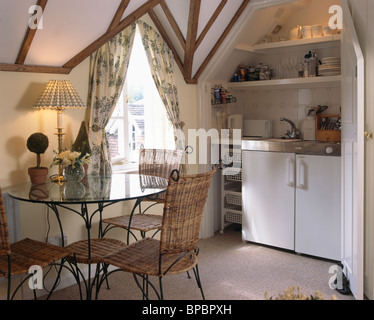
(100,191)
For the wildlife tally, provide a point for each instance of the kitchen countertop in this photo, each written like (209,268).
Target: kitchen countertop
(297,146)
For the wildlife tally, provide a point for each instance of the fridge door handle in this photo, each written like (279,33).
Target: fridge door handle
(300,173)
(290,177)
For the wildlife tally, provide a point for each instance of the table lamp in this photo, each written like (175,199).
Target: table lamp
(59,95)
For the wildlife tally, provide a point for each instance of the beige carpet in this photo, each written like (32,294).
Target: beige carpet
(230,270)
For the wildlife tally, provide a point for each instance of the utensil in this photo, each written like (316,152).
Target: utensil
(321,109)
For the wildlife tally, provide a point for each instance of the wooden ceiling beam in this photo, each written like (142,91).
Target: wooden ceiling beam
(193,22)
(173,24)
(35,69)
(29,37)
(221,39)
(210,22)
(133,17)
(166,38)
(117,17)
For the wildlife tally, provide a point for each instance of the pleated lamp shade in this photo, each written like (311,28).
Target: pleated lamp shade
(59,94)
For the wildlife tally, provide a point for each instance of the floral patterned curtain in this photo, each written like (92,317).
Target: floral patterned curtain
(161,63)
(107,76)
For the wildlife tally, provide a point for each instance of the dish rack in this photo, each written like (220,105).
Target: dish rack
(231,208)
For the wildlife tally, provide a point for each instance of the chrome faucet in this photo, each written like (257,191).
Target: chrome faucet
(294,134)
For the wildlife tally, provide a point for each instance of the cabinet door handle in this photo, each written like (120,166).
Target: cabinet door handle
(300,173)
(290,177)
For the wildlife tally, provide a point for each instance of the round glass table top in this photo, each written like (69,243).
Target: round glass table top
(92,189)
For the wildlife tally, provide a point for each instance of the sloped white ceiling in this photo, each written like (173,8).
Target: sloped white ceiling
(12,30)
(215,31)
(69,26)
(73,26)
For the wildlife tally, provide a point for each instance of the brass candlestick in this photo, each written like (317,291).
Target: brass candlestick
(59,178)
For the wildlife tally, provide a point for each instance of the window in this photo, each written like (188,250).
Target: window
(139,119)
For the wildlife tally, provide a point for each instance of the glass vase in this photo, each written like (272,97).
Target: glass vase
(74,190)
(75,173)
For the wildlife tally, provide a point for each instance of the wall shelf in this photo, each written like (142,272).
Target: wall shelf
(319,42)
(311,82)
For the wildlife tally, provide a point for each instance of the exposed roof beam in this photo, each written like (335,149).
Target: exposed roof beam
(133,17)
(117,17)
(164,35)
(193,21)
(29,37)
(36,69)
(210,22)
(221,39)
(173,23)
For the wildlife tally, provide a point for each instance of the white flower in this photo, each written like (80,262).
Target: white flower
(70,158)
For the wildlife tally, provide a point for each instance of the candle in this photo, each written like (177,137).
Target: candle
(59,120)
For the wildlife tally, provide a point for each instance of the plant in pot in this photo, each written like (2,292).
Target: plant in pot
(38,143)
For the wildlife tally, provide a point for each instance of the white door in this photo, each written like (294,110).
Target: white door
(318,206)
(268,192)
(352,156)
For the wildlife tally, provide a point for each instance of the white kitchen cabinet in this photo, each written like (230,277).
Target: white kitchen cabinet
(268,198)
(292,202)
(318,206)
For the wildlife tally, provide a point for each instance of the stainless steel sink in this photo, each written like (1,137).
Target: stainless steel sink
(282,140)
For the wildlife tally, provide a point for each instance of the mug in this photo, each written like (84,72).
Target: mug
(317,31)
(295,33)
(327,31)
(307,32)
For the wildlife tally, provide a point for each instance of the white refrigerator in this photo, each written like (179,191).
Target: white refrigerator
(268,198)
(293,202)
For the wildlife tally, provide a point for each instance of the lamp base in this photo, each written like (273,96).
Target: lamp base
(58,179)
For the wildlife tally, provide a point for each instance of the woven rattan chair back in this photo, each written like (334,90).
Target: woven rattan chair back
(4,234)
(183,210)
(159,162)
(153,164)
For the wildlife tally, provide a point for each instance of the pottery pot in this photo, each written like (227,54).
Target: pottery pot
(38,175)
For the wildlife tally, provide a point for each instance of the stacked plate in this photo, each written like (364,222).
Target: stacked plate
(331,66)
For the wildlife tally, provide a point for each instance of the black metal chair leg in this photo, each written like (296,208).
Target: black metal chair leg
(56,281)
(161,290)
(9,277)
(197,277)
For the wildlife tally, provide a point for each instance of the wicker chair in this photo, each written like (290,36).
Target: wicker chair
(153,162)
(177,250)
(17,258)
